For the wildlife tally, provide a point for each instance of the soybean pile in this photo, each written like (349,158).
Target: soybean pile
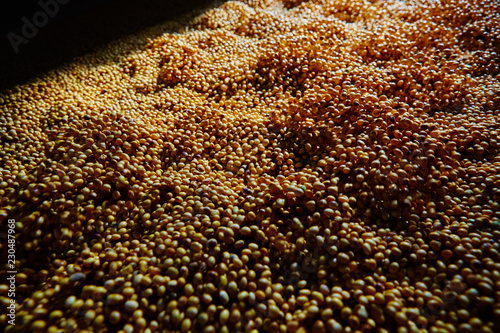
(265,166)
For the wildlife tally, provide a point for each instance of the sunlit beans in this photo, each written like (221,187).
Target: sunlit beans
(276,166)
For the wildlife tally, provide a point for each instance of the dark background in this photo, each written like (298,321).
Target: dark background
(78,27)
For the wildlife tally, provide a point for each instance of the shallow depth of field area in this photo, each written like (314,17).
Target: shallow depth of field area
(269,166)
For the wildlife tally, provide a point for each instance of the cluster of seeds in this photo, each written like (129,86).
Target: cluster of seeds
(277,166)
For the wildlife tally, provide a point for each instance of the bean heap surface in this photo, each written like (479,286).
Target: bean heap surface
(268,166)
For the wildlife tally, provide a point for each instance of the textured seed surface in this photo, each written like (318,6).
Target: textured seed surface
(263,166)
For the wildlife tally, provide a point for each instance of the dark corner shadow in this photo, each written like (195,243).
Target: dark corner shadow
(70,28)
